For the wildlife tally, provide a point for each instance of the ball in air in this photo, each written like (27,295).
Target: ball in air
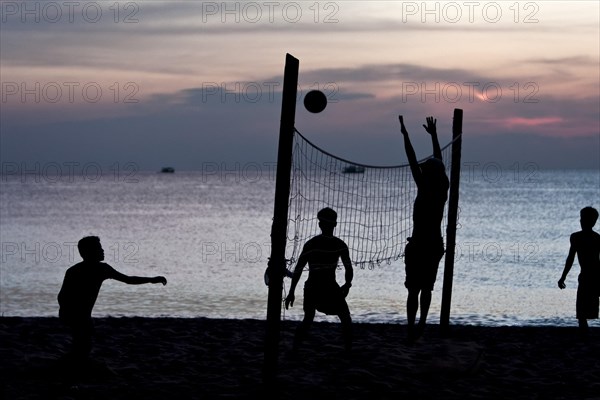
(315,101)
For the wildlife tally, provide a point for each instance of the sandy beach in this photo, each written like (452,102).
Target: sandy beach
(168,358)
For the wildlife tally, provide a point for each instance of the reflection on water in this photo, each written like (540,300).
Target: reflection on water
(209,236)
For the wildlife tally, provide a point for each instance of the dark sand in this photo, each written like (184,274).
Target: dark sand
(144,358)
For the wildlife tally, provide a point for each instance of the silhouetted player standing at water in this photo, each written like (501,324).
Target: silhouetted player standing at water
(586,245)
(321,291)
(80,289)
(425,247)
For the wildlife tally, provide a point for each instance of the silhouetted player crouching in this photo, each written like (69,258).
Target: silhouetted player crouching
(321,291)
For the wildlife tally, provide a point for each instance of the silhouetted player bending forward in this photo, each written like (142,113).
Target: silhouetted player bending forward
(321,291)
(425,247)
(80,289)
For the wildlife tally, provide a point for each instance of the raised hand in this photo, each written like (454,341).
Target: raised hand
(430,127)
(402,127)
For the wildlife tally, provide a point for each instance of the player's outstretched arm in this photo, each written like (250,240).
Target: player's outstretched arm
(410,153)
(139,280)
(432,130)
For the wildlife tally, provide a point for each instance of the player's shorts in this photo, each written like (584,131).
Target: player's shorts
(422,259)
(588,300)
(325,297)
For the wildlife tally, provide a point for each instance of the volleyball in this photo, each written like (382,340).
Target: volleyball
(315,101)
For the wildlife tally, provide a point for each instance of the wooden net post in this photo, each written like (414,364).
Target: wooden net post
(452,220)
(277,262)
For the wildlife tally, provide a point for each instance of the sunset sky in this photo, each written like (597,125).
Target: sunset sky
(185,83)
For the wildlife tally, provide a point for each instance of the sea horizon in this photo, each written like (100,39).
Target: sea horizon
(208,233)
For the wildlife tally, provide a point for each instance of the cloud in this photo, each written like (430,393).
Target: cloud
(197,125)
(211,91)
(192,18)
(520,121)
(567,61)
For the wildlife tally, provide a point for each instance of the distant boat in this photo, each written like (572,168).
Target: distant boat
(354,169)
(167,170)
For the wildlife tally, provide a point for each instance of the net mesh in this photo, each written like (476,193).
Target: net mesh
(374,203)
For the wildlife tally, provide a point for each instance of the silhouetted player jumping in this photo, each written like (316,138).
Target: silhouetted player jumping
(425,247)
(321,291)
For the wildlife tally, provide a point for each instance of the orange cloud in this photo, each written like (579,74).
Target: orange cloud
(520,121)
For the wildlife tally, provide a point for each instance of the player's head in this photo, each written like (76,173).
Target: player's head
(327,218)
(433,167)
(90,248)
(434,171)
(589,216)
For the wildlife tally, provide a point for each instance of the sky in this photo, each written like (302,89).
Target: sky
(193,84)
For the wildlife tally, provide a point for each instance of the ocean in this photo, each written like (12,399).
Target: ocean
(208,233)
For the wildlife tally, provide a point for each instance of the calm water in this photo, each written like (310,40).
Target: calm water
(209,235)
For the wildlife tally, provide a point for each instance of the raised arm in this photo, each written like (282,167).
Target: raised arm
(410,153)
(432,130)
(302,260)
